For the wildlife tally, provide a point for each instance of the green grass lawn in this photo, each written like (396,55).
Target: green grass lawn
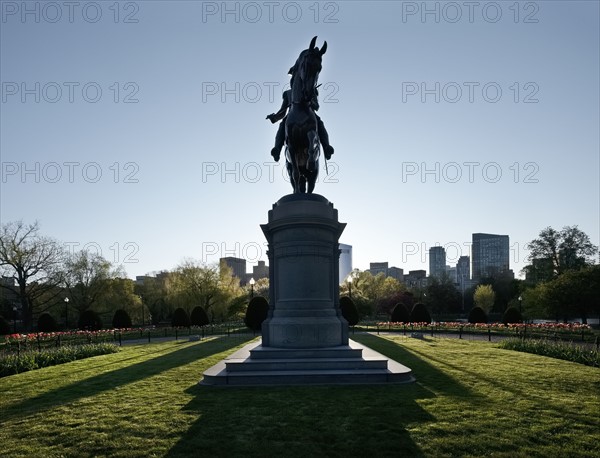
(471,399)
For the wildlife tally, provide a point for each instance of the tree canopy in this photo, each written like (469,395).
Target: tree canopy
(554,252)
(34,262)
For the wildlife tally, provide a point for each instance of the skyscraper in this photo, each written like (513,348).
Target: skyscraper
(345,261)
(463,273)
(491,255)
(437,261)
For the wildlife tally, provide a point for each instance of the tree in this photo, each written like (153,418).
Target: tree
(505,288)
(121,319)
(153,292)
(181,319)
(257,312)
(555,252)
(86,279)
(199,317)
(34,263)
(349,310)
(373,294)
(120,294)
(400,314)
(442,295)
(573,294)
(212,288)
(484,297)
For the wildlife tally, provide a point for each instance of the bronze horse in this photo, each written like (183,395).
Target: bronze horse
(302,139)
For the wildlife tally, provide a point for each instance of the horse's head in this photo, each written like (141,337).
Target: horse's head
(307,69)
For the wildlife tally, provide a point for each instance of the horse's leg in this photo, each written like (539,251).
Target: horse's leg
(312,178)
(290,171)
(302,184)
(313,150)
(290,168)
(295,172)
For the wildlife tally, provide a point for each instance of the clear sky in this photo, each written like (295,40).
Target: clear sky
(138,128)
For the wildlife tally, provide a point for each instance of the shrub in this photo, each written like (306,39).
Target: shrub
(30,360)
(512,315)
(181,319)
(420,314)
(46,323)
(121,319)
(400,314)
(349,310)
(90,320)
(477,315)
(257,312)
(4,326)
(199,317)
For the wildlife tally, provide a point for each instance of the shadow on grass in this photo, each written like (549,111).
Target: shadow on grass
(110,380)
(317,420)
(425,373)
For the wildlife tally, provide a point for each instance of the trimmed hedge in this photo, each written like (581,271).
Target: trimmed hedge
(512,315)
(257,312)
(400,314)
(420,314)
(5,327)
(31,360)
(478,315)
(46,323)
(121,319)
(349,310)
(199,317)
(90,320)
(181,319)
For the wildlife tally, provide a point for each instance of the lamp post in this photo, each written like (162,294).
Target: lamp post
(252,281)
(66,313)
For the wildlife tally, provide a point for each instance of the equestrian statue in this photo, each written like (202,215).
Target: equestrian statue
(301,130)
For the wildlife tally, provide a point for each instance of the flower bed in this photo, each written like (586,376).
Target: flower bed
(31,359)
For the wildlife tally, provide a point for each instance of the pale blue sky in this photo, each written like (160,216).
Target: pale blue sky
(165,205)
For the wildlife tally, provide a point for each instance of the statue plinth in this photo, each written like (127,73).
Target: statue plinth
(303,236)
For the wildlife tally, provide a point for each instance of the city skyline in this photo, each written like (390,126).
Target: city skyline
(140,132)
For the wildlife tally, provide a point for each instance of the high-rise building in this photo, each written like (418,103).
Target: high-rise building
(437,261)
(451,274)
(397,273)
(260,271)
(463,272)
(237,266)
(345,261)
(416,278)
(490,254)
(378,268)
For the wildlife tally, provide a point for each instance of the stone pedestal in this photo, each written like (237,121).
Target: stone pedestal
(303,235)
(304,338)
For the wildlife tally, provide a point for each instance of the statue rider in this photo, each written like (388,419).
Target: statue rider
(281,115)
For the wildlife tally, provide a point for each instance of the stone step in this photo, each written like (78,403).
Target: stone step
(343,351)
(242,368)
(297,364)
(324,377)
